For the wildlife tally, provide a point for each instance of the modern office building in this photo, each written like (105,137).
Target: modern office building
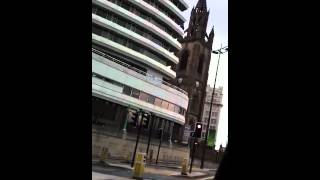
(134,46)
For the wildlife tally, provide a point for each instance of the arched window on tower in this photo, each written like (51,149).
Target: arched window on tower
(200,65)
(184,60)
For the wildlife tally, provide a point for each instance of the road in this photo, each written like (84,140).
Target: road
(158,173)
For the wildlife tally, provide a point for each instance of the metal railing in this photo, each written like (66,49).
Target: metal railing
(155,79)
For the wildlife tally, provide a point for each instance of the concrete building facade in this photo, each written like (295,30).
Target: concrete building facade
(215,112)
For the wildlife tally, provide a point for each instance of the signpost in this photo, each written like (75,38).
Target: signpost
(186,134)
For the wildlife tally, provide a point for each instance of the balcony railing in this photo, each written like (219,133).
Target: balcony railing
(154,80)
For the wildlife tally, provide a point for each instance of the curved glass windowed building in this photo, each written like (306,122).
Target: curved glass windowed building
(133,54)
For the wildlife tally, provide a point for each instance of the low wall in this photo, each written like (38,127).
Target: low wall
(211,155)
(123,149)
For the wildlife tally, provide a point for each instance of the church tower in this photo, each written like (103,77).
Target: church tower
(194,60)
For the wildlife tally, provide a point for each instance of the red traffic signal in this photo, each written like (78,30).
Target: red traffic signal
(198,130)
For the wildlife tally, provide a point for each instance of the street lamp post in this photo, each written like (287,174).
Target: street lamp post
(212,96)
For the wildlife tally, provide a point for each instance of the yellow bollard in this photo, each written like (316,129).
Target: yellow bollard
(129,155)
(103,155)
(184,168)
(139,164)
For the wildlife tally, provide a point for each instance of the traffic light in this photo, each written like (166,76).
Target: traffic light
(145,120)
(198,130)
(134,118)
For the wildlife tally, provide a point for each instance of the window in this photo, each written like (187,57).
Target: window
(99,12)
(129,26)
(171,107)
(138,31)
(164,104)
(144,96)
(214,114)
(151,99)
(97,75)
(200,65)
(125,5)
(105,34)
(181,111)
(184,60)
(122,41)
(94,10)
(176,109)
(119,40)
(121,22)
(206,120)
(127,90)
(96,30)
(157,102)
(135,93)
(207,113)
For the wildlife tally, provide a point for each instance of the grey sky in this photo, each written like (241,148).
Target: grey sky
(218,18)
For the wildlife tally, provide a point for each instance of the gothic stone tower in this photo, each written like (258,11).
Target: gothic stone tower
(192,70)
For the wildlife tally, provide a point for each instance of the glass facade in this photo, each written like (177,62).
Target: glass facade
(145,15)
(131,26)
(165,10)
(101,31)
(145,96)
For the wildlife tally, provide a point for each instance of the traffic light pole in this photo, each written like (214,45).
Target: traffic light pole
(192,154)
(159,145)
(138,136)
(150,132)
(209,119)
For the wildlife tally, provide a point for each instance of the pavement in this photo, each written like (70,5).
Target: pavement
(121,171)
(100,176)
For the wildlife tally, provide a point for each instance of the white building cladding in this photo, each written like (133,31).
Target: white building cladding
(133,45)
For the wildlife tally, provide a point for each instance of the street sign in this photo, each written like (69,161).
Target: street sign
(186,134)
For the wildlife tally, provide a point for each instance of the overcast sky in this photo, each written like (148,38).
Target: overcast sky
(218,18)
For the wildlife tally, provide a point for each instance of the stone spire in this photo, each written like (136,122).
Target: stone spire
(202,5)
